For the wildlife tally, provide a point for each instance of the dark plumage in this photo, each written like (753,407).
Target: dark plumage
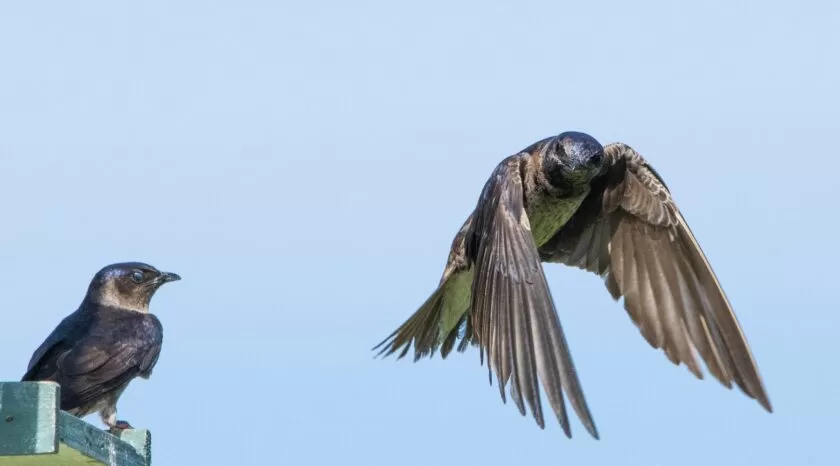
(567,199)
(109,340)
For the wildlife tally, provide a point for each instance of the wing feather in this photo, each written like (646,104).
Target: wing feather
(91,361)
(630,231)
(442,314)
(105,361)
(512,309)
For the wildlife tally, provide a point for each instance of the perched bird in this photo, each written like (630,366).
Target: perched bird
(109,340)
(569,200)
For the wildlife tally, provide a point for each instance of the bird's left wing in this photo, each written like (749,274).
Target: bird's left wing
(514,319)
(104,362)
(630,231)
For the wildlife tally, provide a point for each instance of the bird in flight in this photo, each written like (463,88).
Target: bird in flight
(109,340)
(568,199)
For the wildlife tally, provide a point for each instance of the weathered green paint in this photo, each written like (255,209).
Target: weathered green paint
(66,457)
(40,434)
(140,440)
(98,444)
(28,418)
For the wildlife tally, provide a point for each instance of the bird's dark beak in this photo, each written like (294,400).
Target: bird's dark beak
(166,277)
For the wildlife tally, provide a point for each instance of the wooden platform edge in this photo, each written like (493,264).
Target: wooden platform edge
(29,418)
(101,445)
(32,425)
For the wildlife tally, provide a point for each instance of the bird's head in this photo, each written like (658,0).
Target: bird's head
(128,285)
(572,158)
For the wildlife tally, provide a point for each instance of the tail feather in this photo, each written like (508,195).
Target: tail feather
(438,323)
(421,329)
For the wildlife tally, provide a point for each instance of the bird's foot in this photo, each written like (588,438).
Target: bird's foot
(119,426)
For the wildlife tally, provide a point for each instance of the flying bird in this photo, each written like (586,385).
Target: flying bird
(109,340)
(567,199)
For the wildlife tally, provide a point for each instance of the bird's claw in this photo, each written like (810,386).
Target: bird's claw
(119,426)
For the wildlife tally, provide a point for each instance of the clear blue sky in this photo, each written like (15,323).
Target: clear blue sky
(305,166)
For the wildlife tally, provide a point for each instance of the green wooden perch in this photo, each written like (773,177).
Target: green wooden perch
(34,431)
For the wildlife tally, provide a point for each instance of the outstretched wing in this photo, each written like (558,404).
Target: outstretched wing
(630,231)
(513,314)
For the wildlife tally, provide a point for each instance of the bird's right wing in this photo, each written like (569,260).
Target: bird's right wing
(514,319)
(104,362)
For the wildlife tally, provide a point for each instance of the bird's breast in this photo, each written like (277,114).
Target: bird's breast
(547,214)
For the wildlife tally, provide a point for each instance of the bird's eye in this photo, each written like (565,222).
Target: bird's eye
(137,276)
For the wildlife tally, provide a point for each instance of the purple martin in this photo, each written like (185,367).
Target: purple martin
(109,340)
(567,199)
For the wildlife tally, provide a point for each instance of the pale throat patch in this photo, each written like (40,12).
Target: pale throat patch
(109,296)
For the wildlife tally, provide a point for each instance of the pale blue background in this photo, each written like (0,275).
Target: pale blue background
(305,166)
